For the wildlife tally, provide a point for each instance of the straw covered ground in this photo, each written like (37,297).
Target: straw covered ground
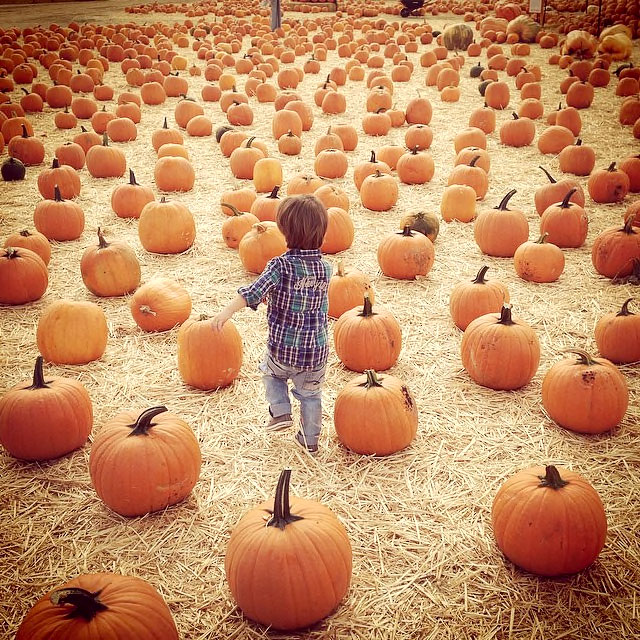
(425,563)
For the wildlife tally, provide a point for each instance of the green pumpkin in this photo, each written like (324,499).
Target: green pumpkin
(426,223)
(457,37)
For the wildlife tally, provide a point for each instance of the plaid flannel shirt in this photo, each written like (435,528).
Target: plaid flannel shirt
(295,286)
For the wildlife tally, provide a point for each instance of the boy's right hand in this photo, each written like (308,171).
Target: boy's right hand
(217,322)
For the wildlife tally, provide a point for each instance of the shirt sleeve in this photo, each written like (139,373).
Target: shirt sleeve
(255,293)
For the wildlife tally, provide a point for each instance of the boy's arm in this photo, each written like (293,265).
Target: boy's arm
(235,305)
(250,296)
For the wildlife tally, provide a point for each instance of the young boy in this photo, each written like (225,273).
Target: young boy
(295,286)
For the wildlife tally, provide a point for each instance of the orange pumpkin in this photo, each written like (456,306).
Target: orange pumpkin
(618,335)
(263,242)
(500,231)
(160,305)
(538,261)
(347,288)
(166,227)
(406,254)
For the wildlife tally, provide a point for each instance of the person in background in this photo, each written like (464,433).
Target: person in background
(295,286)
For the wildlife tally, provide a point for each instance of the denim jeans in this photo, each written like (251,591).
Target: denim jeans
(307,389)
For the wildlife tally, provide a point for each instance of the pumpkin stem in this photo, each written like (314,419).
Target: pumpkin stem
(543,238)
(367,308)
(505,315)
(26,93)
(132,178)
(611,167)
(105,140)
(503,203)
(515,116)
(102,243)
(628,224)
(473,162)
(85,131)
(163,199)
(579,142)
(584,357)
(86,604)
(373,156)
(565,201)
(143,423)
(372,379)
(274,192)
(625,309)
(234,210)
(56,194)
(552,478)
(145,308)
(24,131)
(406,231)
(552,180)
(341,269)
(282,515)
(55,163)
(165,124)
(481,274)
(25,233)
(38,375)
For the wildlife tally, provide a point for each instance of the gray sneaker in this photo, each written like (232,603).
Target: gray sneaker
(310,448)
(279,423)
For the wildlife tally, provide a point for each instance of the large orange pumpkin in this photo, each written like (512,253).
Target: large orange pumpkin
(263,242)
(375,415)
(23,276)
(499,351)
(100,605)
(500,231)
(110,268)
(618,335)
(588,395)
(288,561)
(44,419)
(549,521)
(367,339)
(166,227)
(72,332)
(616,249)
(406,254)
(208,358)
(155,440)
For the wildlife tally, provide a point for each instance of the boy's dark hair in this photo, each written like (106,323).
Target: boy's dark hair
(303,221)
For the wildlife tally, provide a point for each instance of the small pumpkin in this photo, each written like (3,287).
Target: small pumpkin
(166,227)
(618,335)
(587,395)
(59,219)
(23,276)
(424,222)
(160,305)
(32,240)
(539,261)
(367,339)
(469,300)
(128,200)
(608,185)
(263,242)
(375,415)
(615,250)
(72,332)
(346,290)
(111,268)
(549,521)
(555,191)
(45,419)
(499,351)
(104,161)
(500,231)
(405,254)
(208,358)
(565,223)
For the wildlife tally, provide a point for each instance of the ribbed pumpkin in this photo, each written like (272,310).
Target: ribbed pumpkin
(367,339)
(166,227)
(156,441)
(104,161)
(72,332)
(128,200)
(565,223)
(614,251)
(618,335)
(44,419)
(59,219)
(263,242)
(538,261)
(110,268)
(208,359)
(160,305)
(588,395)
(100,605)
(346,290)
(64,177)
(471,299)
(288,561)
(32,240)
(549,521)
(555,191)
(375,415)
(500,231)
(405,254)
(499,351)
(23,276)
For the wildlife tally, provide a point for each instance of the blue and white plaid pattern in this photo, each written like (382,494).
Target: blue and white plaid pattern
(295,287)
